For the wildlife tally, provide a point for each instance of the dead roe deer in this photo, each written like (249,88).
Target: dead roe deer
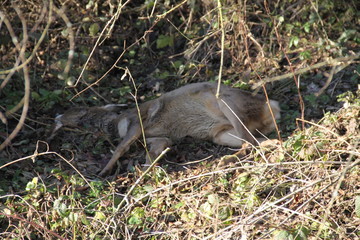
(193,110)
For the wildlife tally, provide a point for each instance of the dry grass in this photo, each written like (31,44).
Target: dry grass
(306,189)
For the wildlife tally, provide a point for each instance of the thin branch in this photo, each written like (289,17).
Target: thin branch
(222,47)
(171,10)
(139,113)
(245,167)
(61,13)
(26,83)
(331,62)
(115,63)
(15,41)
(37,45)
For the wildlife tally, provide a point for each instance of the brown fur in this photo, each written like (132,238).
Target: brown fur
(192,110)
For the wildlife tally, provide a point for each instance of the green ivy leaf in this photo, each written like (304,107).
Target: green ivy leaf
(307,27)
(32,185)
(294,41)
(282,235)
(100,215)
(35,96)
(281,19)
(206,208)
(305,55)
(213,199)
(301,233)
(224,213)
(179,205)
(164,41)
(357,206)
(65,32)
(94,29)
(61,208)
(137,216)
(73,217)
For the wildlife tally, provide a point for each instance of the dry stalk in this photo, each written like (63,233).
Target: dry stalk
(296,211)
(113,66)
(222,47)
(141,178)
(327,130)
(126,196)
(21,48)
(301,102)
(161,16)
(240,121)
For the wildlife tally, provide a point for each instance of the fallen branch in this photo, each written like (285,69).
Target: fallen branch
(330,62)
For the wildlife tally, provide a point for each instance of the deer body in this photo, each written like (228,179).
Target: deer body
(194,111)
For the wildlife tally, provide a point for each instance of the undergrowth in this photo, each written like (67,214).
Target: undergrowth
(305,186)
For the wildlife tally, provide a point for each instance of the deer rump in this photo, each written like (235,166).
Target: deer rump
(194,110)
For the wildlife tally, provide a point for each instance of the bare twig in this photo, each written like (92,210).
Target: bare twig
(126,196)
(326,130)
(241,122)
(334,70)
(115,63)
(222,47)
(20,48)
(328,81)
(139,113)
(254,167)
(171,10)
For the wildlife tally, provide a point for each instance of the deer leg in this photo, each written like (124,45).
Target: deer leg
(131,136)
(228,137)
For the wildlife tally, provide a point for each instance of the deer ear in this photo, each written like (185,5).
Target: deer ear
(154,109)
(275,107)
(123,127)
